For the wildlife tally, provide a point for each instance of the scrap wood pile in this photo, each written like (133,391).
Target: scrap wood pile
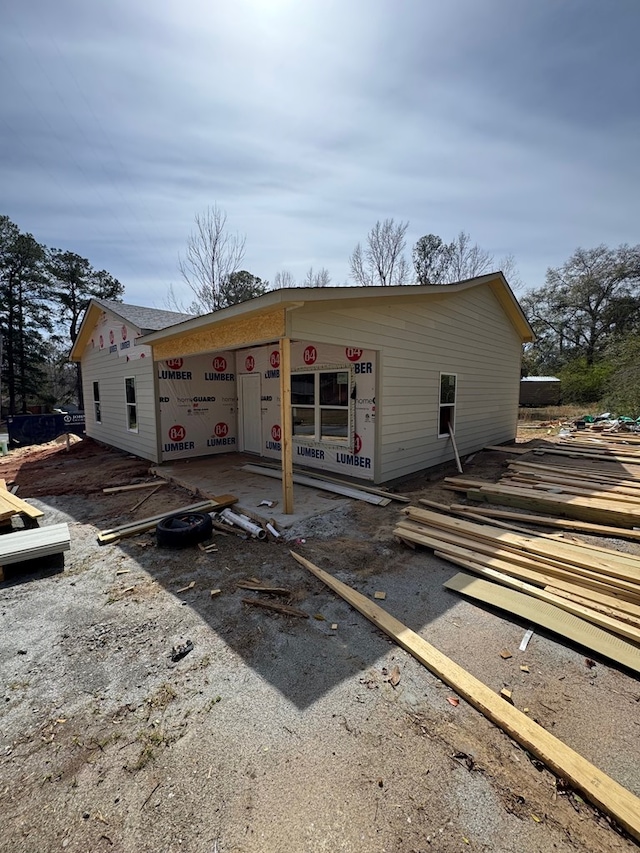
(569,580)
(600,485)
(32,542)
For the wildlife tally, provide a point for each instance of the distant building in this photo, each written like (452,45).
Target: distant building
(540,391)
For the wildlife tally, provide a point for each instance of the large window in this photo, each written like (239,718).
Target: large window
(130,400)
(320,405)
(96,402)
(447,408)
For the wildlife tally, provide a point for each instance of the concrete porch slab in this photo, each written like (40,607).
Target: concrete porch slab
(220,475)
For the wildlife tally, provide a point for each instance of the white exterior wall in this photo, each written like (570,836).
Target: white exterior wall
(109,363)
(466,333)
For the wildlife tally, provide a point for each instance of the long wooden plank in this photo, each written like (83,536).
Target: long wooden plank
(112,490)
(35,542)
(549,521)
(593,600)
(606,622)
(602,790)
(548,616)
(303,480)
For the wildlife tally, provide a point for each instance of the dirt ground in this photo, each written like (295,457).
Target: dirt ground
(275,733)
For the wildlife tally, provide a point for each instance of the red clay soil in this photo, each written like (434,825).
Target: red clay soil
(85,468)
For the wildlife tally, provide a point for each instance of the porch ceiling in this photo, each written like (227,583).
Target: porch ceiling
(232,333)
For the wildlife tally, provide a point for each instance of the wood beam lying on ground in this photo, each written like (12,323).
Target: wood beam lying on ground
(115,533)
(600,789)
(112,490)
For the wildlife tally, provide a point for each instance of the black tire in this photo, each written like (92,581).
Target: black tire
(183,529)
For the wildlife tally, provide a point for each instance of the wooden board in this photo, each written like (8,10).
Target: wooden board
(548,616)
(112,490)
(35,542)
(602,790)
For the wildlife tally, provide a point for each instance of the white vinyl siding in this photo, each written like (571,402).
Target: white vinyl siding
(110,371)
(467,334)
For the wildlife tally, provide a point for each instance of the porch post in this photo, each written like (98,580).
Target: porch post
(286,425)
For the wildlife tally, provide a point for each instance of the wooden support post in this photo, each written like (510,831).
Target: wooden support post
(286,425)
(455,449)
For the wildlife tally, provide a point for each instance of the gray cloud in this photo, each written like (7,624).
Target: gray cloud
(308,121)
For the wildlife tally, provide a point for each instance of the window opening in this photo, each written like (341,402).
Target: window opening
(132,407)
(96,402)
(447,408)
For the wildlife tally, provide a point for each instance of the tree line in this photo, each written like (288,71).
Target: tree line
(586,316)
(43,293)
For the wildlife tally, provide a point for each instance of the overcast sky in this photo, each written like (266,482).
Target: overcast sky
(307,120)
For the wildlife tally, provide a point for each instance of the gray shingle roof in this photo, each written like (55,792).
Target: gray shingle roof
(146,319)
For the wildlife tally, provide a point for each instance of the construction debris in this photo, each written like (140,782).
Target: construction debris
(279,608)
(114,534)
(259,586)
(607,794)
(244,523)
(181,650)
(595,586)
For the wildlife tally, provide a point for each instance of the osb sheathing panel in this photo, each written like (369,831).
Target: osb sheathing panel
(243,331)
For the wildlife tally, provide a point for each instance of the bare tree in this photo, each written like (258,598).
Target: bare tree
(213,255)
(382,260)
(283,279)
(467,261)
(317,279)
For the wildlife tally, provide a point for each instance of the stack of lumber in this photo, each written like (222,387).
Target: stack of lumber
(583,489)
(11,505)
(598,587)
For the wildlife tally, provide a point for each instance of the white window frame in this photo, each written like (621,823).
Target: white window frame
(317,438)
(131,405)
(442,405)
(97,411)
